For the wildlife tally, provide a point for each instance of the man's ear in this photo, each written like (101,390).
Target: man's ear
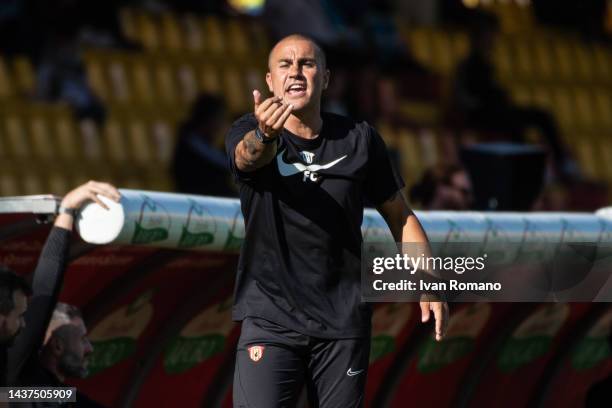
(326,79)
(57,345)
(269,82)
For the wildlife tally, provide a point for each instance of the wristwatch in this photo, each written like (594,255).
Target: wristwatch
(73,212)
(263,138)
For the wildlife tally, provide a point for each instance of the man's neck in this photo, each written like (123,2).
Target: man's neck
(305,124)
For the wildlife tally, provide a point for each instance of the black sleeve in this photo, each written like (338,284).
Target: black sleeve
(235,134)
(382,179)
(47,283)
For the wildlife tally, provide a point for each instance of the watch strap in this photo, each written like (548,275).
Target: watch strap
(70,211)
(259,135)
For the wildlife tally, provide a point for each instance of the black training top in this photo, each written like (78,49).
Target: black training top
(299,264)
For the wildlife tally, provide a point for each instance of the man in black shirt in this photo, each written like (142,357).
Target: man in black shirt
(303,177)
(47,283)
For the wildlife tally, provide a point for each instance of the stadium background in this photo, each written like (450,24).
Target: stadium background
(162,336)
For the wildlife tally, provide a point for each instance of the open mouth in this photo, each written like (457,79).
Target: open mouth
(296,90)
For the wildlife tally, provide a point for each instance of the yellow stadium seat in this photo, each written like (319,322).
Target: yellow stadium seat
(564,108)
(25,79)
(6,82)
(142,80)
(139,139)
(564,59)
(171,32)
(91,141)
(584,109)
(524,59)
(69,146)
(421,46)
(543,59)
(164,83)
(119,81)
(210,80)
(603,108)
(542,97)
(115,141)
(214,35)
(502,57)
(9,179)
(238,40)
(16,136)
(43,147)
(584,66)
(410,153)
(585,153)
(442,53)
(521,95)
(194,37)
(255,78)
(148,32)
(238,98)
(96,75)
(127,20)
(187,81)
(164,139)
(603,63)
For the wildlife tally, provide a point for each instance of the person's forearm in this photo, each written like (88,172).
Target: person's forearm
(65,221)
(251,154)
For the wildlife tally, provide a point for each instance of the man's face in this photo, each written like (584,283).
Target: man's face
(73,358)
(296,74)
(13,322)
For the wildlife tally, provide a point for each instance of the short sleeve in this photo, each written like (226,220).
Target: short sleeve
(382,179)
(235,134)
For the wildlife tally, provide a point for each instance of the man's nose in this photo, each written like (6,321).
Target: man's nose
(295,69)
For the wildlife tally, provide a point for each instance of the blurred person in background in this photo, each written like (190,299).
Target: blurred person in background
(48,278)
(199,165)
(64,354)
(482,103)
(444,187)
(14,292)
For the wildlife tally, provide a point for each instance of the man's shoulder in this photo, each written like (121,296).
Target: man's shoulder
(346,124)
(245,119)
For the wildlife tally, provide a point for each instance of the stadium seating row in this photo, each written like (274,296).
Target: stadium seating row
(210,35)
(543,56)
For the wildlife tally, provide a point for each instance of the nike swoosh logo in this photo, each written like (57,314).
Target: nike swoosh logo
(351,373)
(289,169)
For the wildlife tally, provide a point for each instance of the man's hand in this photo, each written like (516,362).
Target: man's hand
(271,114)
(76,198)
(440,311)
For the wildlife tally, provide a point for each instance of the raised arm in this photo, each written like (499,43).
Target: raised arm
(49,275)
(252,153)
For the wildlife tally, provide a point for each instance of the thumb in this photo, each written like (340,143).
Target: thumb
(256,97)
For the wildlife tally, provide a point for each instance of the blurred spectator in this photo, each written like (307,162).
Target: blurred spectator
(14,292)
(482,103)
(200,166)
(61,77)
(64,353)
(444,187)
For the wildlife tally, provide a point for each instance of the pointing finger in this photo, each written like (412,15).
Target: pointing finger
(437,309)
(424,311)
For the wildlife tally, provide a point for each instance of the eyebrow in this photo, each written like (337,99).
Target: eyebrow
(289,60)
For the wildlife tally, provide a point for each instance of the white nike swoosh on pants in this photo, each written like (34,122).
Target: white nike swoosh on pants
(289,169)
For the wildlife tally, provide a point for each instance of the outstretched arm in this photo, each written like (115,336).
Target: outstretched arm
(405,227)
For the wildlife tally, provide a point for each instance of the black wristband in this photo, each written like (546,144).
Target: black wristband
(263,138)
(73,212)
